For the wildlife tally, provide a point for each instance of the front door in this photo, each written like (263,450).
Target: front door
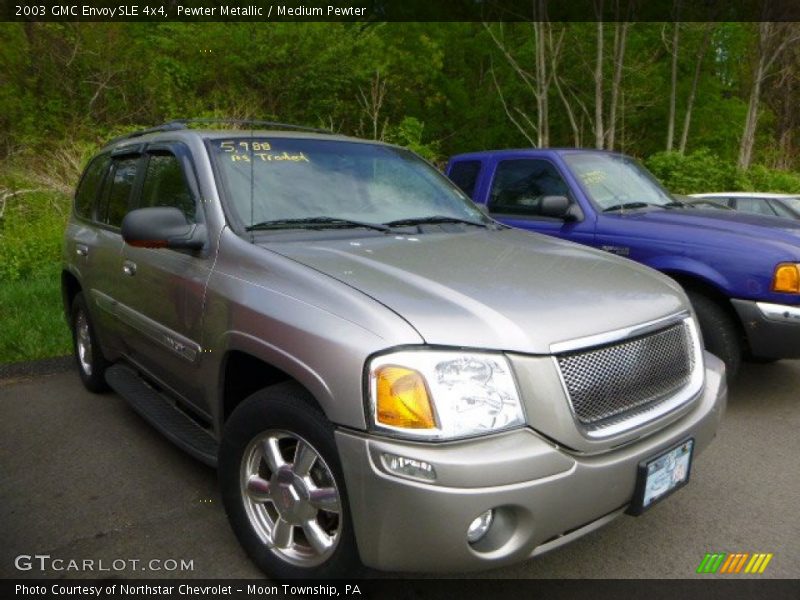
(162,291)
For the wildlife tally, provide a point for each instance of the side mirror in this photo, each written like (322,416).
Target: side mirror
(556,207)
(161,227)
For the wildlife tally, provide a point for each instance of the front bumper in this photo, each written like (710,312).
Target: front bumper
(773,330)
(542,494)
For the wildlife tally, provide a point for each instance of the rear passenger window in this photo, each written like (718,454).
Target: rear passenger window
(119,196)
(165,185)
(758,206)
(520,185)
(89,186)
(465,174)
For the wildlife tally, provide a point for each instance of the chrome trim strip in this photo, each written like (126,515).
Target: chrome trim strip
(690,392)
(617,335)
(779,312)
(172,340)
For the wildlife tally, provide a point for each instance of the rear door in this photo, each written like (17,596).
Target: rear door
(103,246)
(162,290)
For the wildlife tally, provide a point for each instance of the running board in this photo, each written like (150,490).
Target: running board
(154,407)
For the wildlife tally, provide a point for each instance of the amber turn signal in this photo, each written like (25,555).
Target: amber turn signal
(786,278)
(402,399)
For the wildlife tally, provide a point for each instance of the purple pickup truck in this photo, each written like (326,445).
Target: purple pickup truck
(741,272)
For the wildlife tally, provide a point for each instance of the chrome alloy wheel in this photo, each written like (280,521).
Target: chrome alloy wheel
(291,498)
(83,341)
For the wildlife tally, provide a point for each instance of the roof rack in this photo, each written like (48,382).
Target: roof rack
(187,122)
(178,124)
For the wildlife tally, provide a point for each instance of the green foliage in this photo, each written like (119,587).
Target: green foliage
(31,233)
(702,171)
(408,133)
(32,318)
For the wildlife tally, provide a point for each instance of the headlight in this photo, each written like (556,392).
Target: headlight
(431,394)
(786,278)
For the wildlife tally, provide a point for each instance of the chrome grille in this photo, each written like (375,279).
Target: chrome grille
(610,383)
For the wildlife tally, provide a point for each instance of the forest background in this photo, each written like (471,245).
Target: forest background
(706,106)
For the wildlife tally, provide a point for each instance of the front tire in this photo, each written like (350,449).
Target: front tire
(91,363)
(283,487)
(720,332)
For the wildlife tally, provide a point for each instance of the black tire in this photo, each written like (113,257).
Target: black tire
(720,332)
(92,366)
(285,409)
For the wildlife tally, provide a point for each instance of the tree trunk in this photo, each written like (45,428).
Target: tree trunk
(687,118)
(620,37)
(598,87)
(751,121)
(673,91)
(542,106)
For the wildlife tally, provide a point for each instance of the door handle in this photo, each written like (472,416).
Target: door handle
(81,250)
(129,268)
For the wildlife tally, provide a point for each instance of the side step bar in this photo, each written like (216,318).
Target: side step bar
(154,407)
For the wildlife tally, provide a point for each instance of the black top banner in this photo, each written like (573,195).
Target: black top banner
(399,10)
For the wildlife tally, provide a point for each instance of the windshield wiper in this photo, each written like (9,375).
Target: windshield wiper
(628,205)
(435,219)
(314,223)
(675,204)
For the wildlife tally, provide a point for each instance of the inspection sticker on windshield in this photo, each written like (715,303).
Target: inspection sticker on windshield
(662,475)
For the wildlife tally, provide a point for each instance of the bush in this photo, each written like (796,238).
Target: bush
(408,133)
(702,171)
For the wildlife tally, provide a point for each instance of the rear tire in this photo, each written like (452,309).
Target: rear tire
(720,332)
(283,487)
(91,363)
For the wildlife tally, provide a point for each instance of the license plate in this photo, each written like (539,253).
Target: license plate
(660,476)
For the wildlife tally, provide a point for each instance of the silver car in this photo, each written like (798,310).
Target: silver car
(383,376)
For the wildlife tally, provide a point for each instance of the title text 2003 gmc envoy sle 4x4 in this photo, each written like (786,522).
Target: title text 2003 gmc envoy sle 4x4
(382,375)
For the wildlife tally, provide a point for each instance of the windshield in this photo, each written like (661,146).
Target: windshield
(612,180)
(276,182)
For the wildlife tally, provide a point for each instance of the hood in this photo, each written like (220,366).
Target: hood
(764,229)
(504,290)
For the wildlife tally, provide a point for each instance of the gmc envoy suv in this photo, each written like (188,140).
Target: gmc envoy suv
(382,375)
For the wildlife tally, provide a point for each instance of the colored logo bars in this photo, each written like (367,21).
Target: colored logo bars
(737,562)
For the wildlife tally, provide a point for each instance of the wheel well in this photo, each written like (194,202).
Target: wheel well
(690,283)
(69,289)
(243,375)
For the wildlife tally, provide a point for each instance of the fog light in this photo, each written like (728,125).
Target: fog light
(409,467)
(478,528)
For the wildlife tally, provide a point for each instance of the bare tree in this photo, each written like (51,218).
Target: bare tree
(783,95)
(673,89)
(687,117)
(773,38)
(599,133)
(568,107)
(371,103)
(620,36)
(538,81)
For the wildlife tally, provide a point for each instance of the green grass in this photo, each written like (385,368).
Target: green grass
(32,321)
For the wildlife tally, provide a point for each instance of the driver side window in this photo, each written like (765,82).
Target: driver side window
(519,186)
(165,185)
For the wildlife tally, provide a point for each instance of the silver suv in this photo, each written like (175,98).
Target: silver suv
(382,375)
